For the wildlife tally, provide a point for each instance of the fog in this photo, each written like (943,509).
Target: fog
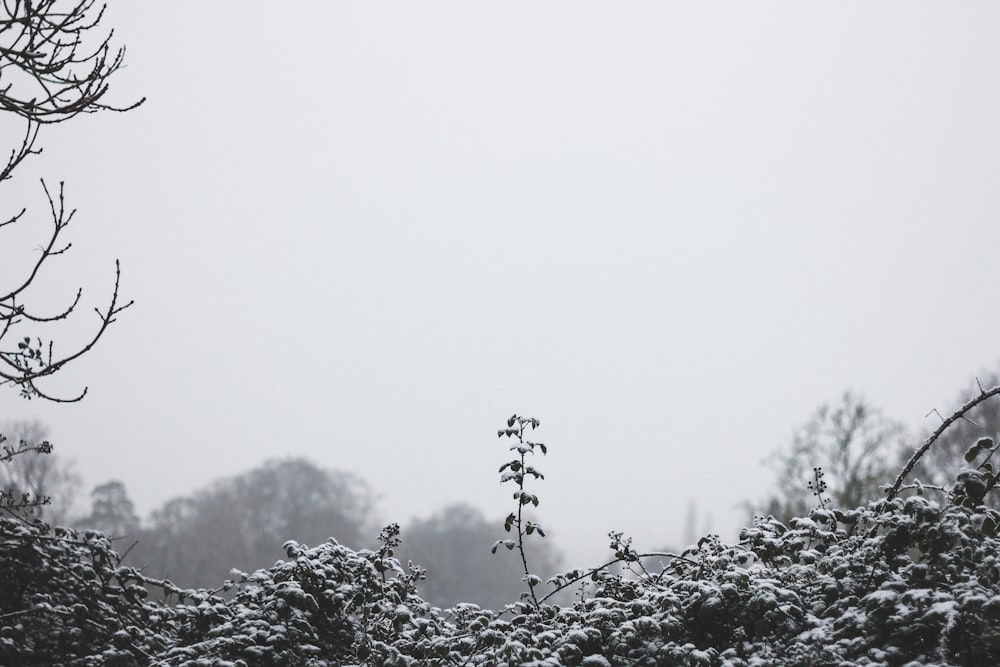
(368,234)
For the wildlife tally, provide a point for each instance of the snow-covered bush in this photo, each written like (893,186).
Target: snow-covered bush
(66,599)
(907,580)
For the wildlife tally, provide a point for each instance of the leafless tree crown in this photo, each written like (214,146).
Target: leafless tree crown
(56,62)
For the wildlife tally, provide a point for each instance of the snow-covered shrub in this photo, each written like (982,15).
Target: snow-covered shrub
(903,582)
(64,600)
(906,582)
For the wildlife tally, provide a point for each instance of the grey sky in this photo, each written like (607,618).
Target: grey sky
(369,233)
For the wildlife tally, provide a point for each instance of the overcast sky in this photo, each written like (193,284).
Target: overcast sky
(367,233)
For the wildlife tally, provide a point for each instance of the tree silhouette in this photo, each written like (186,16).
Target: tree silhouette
(242,521)
(845,452)
(111,511)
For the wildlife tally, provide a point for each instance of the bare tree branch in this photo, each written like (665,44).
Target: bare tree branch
(958,414)
(59,67)
(56,62)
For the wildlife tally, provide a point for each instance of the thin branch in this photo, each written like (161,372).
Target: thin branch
(958,414)
(49,48)
(17,155)
(59,222)
(592,571)
(27,377)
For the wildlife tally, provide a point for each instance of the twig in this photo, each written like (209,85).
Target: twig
(958,414)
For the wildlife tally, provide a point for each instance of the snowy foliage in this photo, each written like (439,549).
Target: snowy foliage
(906,582)
(898,583)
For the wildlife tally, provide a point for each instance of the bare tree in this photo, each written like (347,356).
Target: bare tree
(844,453)
(55,63)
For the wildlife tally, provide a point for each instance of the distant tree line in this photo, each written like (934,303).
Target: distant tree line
(242,521)
(843,455)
